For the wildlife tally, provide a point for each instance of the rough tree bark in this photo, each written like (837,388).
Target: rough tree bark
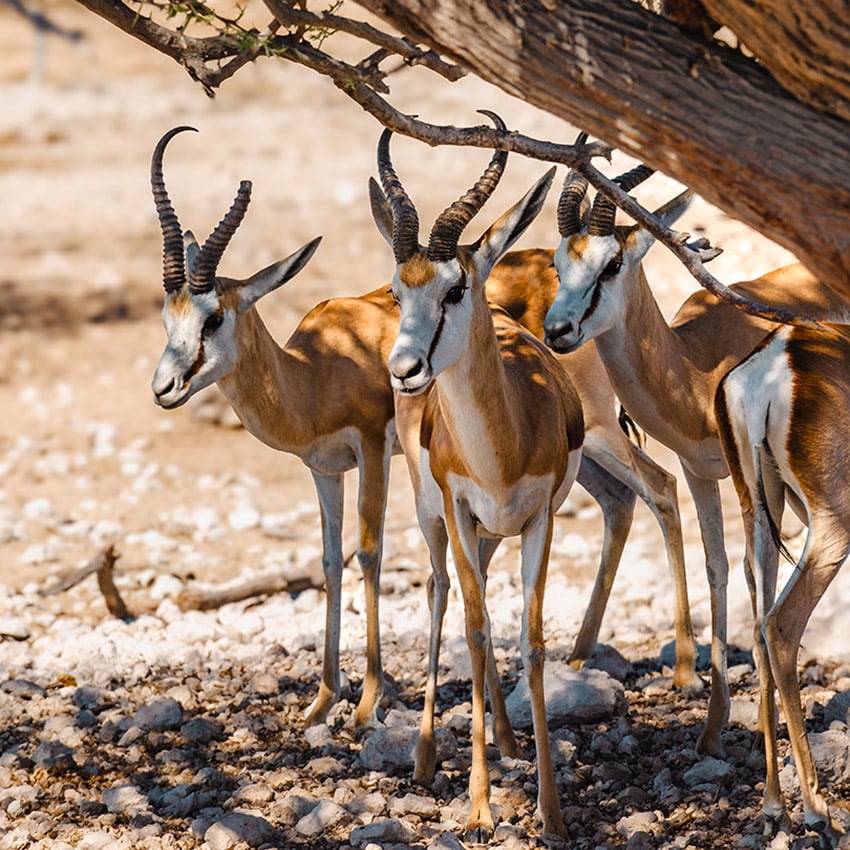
(708,116)
(768,141)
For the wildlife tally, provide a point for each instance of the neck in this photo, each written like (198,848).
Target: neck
(474,397)
(655,377)
(264,387)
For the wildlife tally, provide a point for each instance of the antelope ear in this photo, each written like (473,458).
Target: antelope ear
(265,281)
(509,227)
(641,240)
(381,211)
(191,249)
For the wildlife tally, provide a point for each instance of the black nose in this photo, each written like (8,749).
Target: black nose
(161,391)
(555,332)
(412,372)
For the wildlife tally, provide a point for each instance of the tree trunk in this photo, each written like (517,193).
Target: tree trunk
(706,115)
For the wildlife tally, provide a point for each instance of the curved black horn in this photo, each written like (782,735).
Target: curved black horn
(202,273)
(405,217)
(442,243)
(569,204)
(173,268)
(604,209)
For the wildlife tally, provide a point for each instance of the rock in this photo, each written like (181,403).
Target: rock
(254,794)
(831,754)
(202,730)
(667,791)
(319,735)
(126,800)
(838,708)
(382,832)
(237,827)
(295,805)
(744,712)
(572,696)
(54,756)
(326,766)
(14,627)
(667,656)
(162,713)
(22,688)
(607,659)
(265,684)
(708,770)
(413,804)
(323,815)
(638,822)
(388,749)
(445,841)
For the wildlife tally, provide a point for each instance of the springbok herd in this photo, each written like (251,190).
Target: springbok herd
(473,363)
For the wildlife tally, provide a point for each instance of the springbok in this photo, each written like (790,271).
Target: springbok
(325,397)
(666,376)
(782,416)
(500,434)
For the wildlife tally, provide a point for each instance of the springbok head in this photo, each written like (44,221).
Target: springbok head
(436,286)
(595,259)
(201,309)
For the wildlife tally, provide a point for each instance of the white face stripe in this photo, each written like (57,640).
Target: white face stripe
(193,358)
(433,330)
(584,304)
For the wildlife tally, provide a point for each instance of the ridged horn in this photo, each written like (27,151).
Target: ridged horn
(604,209)
(203,271)
(173,267)
(442,243)
(405,217)
(569,204)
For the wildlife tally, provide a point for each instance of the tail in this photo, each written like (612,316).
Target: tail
(630,429)
(766,454)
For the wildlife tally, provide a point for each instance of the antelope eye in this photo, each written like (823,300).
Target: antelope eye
(454,295)
(611,269)
(213,323)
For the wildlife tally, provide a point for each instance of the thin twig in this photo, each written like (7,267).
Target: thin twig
(290,16)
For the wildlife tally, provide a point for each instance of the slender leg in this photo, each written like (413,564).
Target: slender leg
(434,532)
(503,730)
(330,492)
(617,502)
(706,496)
(536,541)
(464,543)
(761,565)
(374,467)
(657,488)
(826,550)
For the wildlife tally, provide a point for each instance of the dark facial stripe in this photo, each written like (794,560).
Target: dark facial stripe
(436,338)
(196,366)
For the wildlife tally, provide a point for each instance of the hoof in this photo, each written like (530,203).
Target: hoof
(478,835)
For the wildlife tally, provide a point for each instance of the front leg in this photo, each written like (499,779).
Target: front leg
(330,491)
(536,542)
(464,543)
(374,466)
(434,532)
(706,495)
